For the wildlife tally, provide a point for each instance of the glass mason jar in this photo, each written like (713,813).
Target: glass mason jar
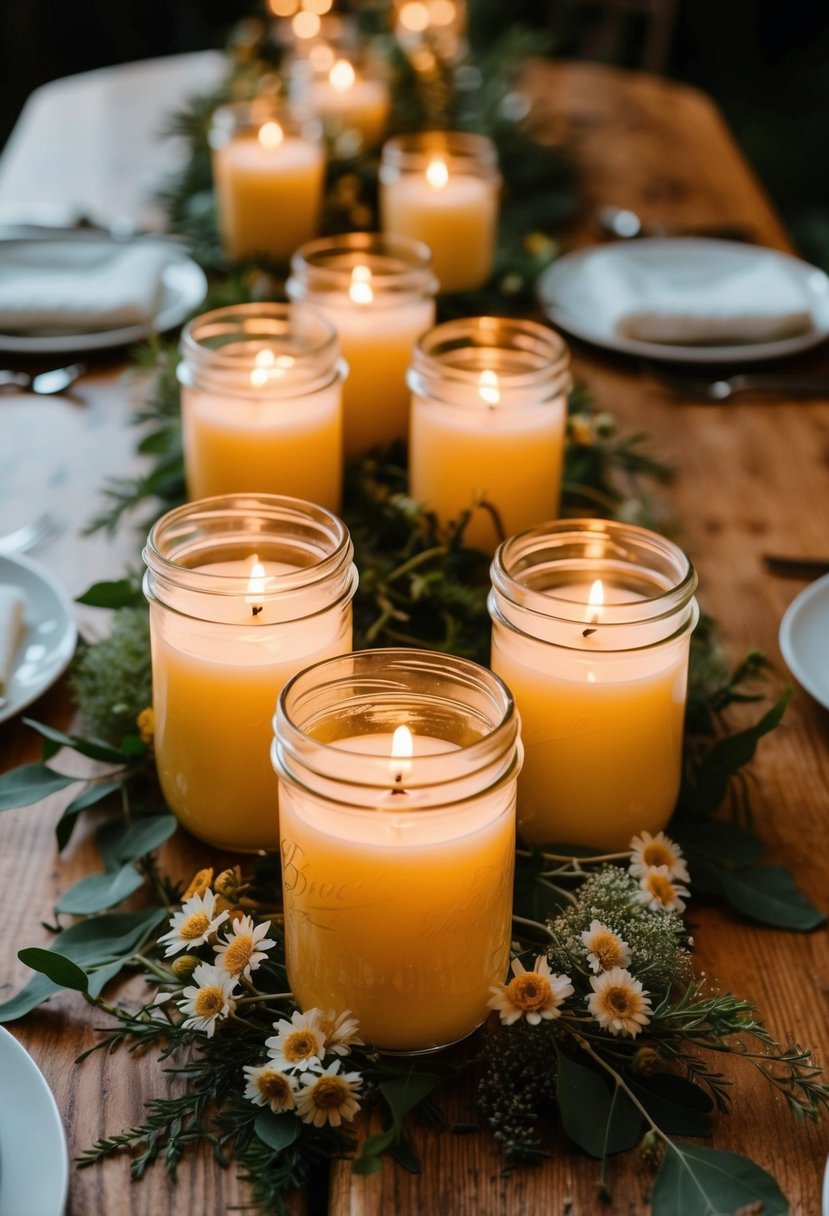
(243,591)
(349,94)
(489,411)
(591,625)
(261,403)
(397,856)
(268,172)
(442,188)
(378,293)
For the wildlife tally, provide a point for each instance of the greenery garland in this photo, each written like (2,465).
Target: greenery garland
(582,924)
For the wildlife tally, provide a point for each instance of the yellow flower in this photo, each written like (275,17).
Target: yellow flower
(199,883)
(297,1044)
(619,1003)
(656,891)
(329,1096)
(193,925)
(532,994)
(246,947)
(581,430)
(228,882)
(184,966)
(267,1087)
(648,851)
(146,725)
(209,1000)
(605,949)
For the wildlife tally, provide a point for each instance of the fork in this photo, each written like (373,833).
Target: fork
(780,385)
(27,535)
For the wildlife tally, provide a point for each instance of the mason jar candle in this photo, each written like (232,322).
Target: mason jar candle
(378,292)
(442,187)
(261,403)
(243,591)
(268,173)
(397,773)
(488,415)
(591,625)
(350,98)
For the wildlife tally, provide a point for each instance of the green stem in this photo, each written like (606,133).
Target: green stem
(575,861)
(419,559)
(156,970)
(531,924)
(263,997)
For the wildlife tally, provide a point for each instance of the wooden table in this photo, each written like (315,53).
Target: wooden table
(752,476)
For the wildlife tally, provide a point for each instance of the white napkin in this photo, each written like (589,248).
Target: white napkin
(79,286)
(12,603)
(720,299)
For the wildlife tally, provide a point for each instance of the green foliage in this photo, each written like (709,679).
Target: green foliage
(694,1181)
(111,680)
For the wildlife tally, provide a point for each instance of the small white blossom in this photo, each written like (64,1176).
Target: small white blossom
(605,949)
(648,851)
(244,948)
(209,1000)
(329,1096)
(193,924)
(532,994)
(656,891)
(619,1003)
(339,1031)
(298,1043)
(266,1086)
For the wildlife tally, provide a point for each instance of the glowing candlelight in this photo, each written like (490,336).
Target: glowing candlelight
(402,750)
(437,174)
(360,289)
(488,388)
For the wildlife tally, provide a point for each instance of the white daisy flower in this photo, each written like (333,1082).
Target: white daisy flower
(266,1086)
(193,924)
(209,1000)
(329,1096)
(656,891)
(245,948)
(532,994)
(619,1003)
(298,1043)
(605,949)
(659,850)
(339,1031)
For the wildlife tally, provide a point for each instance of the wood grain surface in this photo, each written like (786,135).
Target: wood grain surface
(751,477)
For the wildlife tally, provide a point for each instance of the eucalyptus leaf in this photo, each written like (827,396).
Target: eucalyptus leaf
(94,794)
(123,842)
(101,976)
(100,891)
(93,749)
(95,942)
(403,1094)
(56,967)
(675,1104)
(277,1131)
(770,894)
(31,783)
(719,841)
(368,1159)
(709,785)
(598,1117)
(696,1181)
(120,593)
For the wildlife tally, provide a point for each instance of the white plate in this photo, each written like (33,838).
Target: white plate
(34,1164)
(825,1200)
(574,293)
(49,636)
(184,286)
(804,639)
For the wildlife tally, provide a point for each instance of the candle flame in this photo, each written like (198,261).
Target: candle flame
(595,601)
(256,585)
(271,134)
(488,388)
(342,76)
(402,750)
(360,289)
(269,367)
(437,174)
(322,57)
(442,12)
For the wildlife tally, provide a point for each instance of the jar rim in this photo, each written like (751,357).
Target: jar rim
(189,528)
(413,151)
(248,115)
(402,266)
(296,748)
(225,347)
(662,566)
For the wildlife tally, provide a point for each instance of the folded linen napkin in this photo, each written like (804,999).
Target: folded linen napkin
(12,603)
(696,297)
(75,286)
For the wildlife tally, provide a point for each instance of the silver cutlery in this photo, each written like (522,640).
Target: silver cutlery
(778,384)
(21,539)
(58,380)
(622,224)
(796,567)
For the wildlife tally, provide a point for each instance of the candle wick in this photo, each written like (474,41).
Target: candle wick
(586,633)
(256,609)
(398,786)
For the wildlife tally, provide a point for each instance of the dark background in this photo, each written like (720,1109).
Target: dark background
(765,62)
